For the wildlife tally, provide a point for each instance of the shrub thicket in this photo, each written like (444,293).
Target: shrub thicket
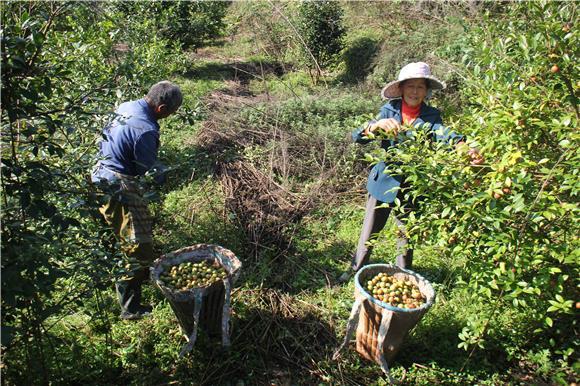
(321,27)
(512,221)
(64,67)
(190,24)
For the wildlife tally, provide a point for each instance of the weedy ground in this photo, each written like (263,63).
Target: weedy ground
(263,165)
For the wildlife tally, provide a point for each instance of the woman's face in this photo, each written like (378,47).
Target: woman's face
(414,91)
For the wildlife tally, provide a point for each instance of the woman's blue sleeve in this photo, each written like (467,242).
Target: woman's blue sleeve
(445,134)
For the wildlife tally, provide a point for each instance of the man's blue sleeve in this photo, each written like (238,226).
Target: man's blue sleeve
(146,152)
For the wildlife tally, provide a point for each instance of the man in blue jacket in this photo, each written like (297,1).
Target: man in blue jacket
(129,150)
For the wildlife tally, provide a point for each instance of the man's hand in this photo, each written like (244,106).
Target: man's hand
(390,125)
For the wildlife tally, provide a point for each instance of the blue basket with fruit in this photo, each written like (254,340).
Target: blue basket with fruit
(389,302)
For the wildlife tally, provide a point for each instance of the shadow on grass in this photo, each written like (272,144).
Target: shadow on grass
(435,342)
(358,60)
(284,344)
(318,269)
(237,71)
(295,271)
(435,339)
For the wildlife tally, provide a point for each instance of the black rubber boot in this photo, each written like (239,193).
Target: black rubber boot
(346,275)
(129,296)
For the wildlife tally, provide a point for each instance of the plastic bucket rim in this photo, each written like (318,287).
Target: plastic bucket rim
(388,306)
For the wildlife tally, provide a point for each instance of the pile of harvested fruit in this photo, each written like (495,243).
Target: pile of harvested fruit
(191,275)
(398,293)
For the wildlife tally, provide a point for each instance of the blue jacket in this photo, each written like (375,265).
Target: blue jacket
(130,143)
(381,185)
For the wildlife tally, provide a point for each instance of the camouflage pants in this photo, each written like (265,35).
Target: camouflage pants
(126,212)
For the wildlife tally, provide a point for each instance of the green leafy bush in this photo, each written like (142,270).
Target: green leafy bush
(191,24)
(358,57)
(321,28)
(62,74)
(513,219)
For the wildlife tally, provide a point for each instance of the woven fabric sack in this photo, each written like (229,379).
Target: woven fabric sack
(205,307)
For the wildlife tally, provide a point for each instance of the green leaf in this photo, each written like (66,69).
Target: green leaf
(564,143)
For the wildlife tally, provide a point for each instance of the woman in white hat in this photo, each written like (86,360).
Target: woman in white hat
(406,105)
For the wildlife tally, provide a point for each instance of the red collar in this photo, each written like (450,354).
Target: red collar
(410,113)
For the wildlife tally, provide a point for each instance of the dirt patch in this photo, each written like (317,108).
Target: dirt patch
(263,208)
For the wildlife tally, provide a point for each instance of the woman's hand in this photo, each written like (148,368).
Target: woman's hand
(475,157)
(390,125)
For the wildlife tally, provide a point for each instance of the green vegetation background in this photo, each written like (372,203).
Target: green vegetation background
(258,109)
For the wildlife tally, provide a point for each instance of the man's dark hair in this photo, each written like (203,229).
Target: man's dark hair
(166,93)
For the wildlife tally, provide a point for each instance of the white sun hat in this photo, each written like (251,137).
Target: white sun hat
(411,71)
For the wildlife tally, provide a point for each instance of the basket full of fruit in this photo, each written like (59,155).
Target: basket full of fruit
(389,302)
(197,282)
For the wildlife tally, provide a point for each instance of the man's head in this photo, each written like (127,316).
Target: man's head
(164,98)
